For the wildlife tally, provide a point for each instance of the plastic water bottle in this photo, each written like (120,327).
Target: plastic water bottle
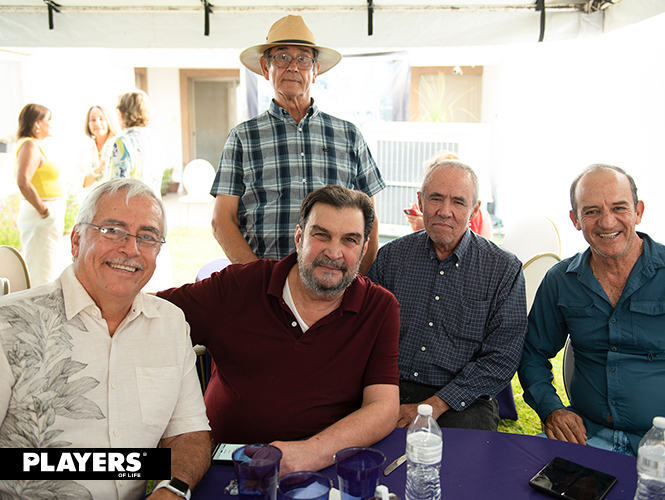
(424,448)
(651,463)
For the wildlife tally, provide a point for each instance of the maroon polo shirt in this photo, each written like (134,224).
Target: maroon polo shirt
(271,382)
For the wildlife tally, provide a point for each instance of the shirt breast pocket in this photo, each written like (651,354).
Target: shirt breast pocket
(581,319)
(159,388)
(648,323)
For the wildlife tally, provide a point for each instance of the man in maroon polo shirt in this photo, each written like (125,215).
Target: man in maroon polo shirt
(304,348)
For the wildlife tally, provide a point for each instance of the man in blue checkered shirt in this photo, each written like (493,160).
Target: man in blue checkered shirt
(462,306)
(271,162)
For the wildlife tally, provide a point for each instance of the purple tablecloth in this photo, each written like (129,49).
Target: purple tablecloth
(476,465)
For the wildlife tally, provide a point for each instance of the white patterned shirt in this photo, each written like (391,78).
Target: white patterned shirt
(94,390)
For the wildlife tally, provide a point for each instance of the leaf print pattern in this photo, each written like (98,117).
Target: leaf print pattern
(47,384)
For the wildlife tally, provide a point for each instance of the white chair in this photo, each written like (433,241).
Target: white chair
(531,236)
(12,267)
(4,286)
(197,180)
(534,272)
(568,365)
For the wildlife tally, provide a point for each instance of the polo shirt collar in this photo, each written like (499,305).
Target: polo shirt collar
(77,298)
(353,295)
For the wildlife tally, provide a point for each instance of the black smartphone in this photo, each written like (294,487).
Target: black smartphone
(569,480)
(223,453)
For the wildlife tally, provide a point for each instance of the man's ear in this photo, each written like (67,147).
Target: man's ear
(576,223)
(420,202)
(298,236)
(475,212)
(264,67)
(639,211)
(76,241)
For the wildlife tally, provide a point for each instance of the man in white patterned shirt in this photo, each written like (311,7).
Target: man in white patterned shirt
(88,361)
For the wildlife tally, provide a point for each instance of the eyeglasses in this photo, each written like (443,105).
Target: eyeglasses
(284,61)
(120,236)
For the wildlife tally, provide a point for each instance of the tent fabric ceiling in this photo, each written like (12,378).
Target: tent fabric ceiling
(343,24)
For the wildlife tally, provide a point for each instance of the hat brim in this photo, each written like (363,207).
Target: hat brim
(251,57)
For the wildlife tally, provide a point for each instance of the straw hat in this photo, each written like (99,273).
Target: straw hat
(289,30)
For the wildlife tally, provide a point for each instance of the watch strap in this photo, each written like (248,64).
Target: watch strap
(177,486)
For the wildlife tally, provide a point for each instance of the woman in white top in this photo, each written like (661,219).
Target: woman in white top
(101,128)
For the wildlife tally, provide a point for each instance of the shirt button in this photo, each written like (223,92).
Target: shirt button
(441,273)
(415,374)
(431,324)
(116,432)
(613,403)
(462,403)
(457,264)
(612,369)
(112,386)
(423,348)
(436,298)
(614,349)
(95,312)
(294,324)
(299,130)
(304,181)
(613,320)
(302,154)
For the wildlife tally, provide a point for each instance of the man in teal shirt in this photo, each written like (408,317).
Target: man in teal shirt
(610,300)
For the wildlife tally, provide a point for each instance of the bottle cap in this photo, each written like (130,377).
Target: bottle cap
(425,410)
(657,421)
(381,492)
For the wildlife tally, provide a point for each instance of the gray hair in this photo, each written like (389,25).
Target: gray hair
(454,165)
(133,188)
(595,168)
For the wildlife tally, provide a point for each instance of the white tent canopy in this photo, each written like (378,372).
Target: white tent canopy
(342,24)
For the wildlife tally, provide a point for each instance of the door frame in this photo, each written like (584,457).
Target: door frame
(186,78)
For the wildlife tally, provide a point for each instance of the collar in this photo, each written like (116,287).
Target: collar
(77,299)
(458,252)
(651,257)
(281,113)
(353,295)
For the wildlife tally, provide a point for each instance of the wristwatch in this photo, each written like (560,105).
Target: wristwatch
(177,486)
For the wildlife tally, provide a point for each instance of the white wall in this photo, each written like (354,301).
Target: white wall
(556,108)
(164,92)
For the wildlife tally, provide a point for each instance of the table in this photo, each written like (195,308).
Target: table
(476,465)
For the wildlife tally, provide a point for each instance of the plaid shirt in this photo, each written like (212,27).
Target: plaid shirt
(463,319)
(271,162)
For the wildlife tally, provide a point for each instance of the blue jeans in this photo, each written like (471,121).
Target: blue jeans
(608,439)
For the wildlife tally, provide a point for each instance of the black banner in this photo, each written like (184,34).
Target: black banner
(85,463)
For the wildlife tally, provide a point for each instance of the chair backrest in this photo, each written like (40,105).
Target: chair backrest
(12,267)
(534,272)
(198,177)
(568,366)
(531,236)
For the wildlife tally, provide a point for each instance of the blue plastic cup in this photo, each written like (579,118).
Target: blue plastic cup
(304,485)
(257,470)
(358,472)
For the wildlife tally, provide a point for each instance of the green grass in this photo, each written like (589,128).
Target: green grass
(528,421)
(193,247)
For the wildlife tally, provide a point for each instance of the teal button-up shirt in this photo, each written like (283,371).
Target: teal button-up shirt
(619,351)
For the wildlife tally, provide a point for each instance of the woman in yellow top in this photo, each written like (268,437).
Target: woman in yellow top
(41,215)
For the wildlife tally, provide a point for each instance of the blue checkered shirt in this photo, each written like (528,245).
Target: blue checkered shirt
(463,319)
(271,162)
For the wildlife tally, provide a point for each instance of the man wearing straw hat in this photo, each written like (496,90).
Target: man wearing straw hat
(271,162)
